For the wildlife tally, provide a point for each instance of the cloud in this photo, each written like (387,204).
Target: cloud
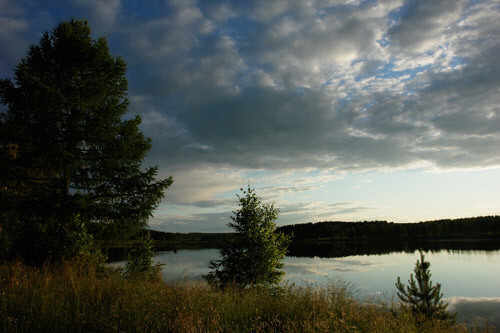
(220,12)
(103,14)
(199,216)
(266,121)
(303,108)
(12,35)
(196,222)
(202,184)
(315,87)
(281,86)
(211,203)
(10,8)
(275,191)
(422,24)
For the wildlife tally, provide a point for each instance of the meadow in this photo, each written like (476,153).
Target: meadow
(78,296)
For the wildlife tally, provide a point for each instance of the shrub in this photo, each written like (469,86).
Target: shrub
(421,296)
(140,260)
(255,257)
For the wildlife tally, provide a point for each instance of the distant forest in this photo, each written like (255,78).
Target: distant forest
(338,239)
(482,227)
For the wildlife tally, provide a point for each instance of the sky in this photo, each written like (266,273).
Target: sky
(344,110)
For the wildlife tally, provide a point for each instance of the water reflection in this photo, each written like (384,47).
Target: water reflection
(462,273)
(476,310)
(185,265)
(349,248)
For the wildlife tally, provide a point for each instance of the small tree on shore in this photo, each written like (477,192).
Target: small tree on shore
(421,296)
(140,260)
(255,257)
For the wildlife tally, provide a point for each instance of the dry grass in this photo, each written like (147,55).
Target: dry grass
(75,298)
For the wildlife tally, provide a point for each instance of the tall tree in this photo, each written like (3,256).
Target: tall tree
(421,296)
(73,153)
(255,257)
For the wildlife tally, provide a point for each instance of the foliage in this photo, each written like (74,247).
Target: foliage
(5,245)
(255,258)
(66,151)
(64,298)
(421,296)
(140,260)
(481,227)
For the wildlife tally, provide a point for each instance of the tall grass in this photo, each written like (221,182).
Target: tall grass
(75,297)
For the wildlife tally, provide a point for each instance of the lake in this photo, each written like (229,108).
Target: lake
(470,279)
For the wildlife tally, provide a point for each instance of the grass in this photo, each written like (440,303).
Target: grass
(75,297)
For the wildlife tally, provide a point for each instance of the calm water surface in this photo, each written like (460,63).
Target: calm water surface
(462,273)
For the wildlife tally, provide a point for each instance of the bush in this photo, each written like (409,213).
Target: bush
(140,261)
(255,257)
(422,297)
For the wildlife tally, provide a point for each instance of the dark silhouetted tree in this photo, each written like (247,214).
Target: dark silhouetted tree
(421,296)
(74,154)
(255,257)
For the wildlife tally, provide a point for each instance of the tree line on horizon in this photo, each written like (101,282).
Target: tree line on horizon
(482,227)
(340,239)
